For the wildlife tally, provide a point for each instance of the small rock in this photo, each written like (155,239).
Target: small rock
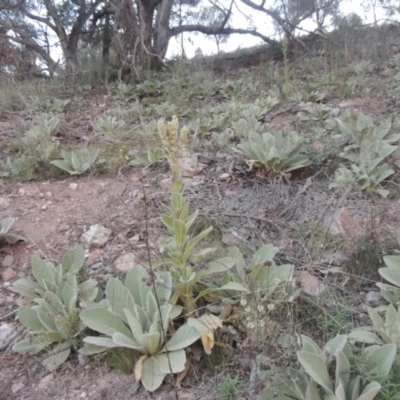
(17,386)
(342,223)
(45,381)
(73,186)
(311,284)
(93,257)
(126,262)
(200,167)
(122,237)
(187,163)
(96,236)
(224,177)
(83,395)
(4,203)
(9,274)
(49,194)
(43,208)
(349,103)
(231,193)
(164,184)
(8,261)
(82,359)
(388,72)
(375,299)
(134,239)
(334,257)
(318,146)
(233,237)
(7,334)
(63,228)
(21,192)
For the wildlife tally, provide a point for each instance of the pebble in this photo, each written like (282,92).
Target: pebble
(4,203)
(17,386)
(375,299)
(126,262)
(96,236)
(9,274)
(8,261)
(45,381)
(21,192)
(73,186)
(7,334)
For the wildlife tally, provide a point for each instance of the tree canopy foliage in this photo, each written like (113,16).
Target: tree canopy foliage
(133,34)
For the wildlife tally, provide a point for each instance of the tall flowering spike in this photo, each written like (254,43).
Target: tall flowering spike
(183,137)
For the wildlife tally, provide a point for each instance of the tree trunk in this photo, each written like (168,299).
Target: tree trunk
(162,33)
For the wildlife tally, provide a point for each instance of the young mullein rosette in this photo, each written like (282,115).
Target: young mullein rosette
(135,316)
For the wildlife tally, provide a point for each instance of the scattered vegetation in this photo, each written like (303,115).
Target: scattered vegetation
(194,298)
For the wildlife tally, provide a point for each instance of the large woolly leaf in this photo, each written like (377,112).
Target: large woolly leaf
(134,324)
(36,344)
(119,297)
(26,287)
(315,367)
(100,342)
(175,359)
(47,322)
(125,341)
(29,318)
(151,375)
(182,338)
(54,361)
(101,320)
(364,336)
(379,361)
(391,275)
(342,370)
(336,344)
(150,342)
(134,282)
(393,262)
(221,265)
(43,271)
(264,254)
(370,391)
(73,260)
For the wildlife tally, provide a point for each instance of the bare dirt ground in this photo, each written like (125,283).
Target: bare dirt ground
(246,209)
(53,216)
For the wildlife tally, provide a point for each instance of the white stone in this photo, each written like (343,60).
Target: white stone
(224,176)
(8,261)
(17,386)
(45,381)
(7,334)
(187,163)
(73,186)
(126,262)
(4,203)
(96,236)
(375,299)
(311,284)
(342,223)
(9,274)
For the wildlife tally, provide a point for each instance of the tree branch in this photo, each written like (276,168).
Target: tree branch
(41,19)
(208,30)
